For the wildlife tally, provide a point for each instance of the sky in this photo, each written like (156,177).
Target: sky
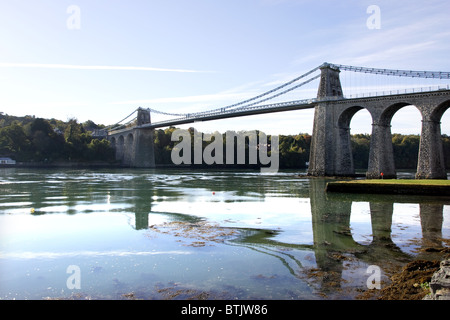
(101,59)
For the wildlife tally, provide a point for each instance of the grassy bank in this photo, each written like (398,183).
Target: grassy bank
(392,186)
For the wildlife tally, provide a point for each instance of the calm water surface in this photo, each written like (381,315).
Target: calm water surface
(158,234)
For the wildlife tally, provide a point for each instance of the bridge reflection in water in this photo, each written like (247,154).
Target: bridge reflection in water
(331,226)
(333,240)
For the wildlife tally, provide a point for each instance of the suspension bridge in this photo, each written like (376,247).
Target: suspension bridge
(331,153)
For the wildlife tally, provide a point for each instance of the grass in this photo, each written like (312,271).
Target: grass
(392,186)
(401,182)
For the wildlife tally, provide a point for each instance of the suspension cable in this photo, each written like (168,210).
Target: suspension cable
(280,93)
(275,89)
(248,100)
(118,123)
(392,72)
(245,104)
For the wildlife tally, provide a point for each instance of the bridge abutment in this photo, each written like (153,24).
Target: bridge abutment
(135,147)
(143,150)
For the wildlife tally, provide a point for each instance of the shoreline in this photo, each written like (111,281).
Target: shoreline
(62,164)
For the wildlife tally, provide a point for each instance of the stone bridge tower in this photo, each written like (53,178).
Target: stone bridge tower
(323,143)
(330,83)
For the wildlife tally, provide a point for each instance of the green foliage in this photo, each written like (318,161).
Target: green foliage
(36,139)
(446,146)
(13,140)
(294,149)
(360,147)
(406,150)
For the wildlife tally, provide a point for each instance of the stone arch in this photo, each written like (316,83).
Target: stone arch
(120,148)
(381,158)
(128,149)
(346,116)
(344,154)
(388,113)
(129,138)
(438,112)
(113,142)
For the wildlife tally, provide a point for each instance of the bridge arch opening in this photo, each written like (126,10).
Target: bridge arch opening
(113,142)
(439,112)
(405,122)
(389,113)
(442,116)
(120,148)
(355,138)
(128,149)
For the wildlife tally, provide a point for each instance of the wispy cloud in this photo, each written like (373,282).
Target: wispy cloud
(407,39)
(189,99)
(84,67)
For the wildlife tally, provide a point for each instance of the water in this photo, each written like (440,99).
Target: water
(178,234)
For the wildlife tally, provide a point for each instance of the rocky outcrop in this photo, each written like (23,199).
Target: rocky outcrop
(440,283)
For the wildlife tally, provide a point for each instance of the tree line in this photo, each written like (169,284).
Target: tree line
(49,140)
(31,139)
(294,149)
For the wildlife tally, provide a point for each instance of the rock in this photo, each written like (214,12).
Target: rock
(440,283)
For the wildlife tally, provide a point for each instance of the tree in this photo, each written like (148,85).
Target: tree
(360,148)
(406,150)
(90,125)
(100,150)
(14,141)
(75,140)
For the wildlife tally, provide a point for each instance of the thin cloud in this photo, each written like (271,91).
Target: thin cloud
(82,67)
(187,99)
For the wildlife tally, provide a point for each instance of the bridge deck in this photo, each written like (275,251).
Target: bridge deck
(288,106)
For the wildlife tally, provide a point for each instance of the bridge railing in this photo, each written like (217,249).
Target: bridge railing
(397,92)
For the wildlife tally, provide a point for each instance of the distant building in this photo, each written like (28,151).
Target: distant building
(58,131)
(7,161)
(99,134)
